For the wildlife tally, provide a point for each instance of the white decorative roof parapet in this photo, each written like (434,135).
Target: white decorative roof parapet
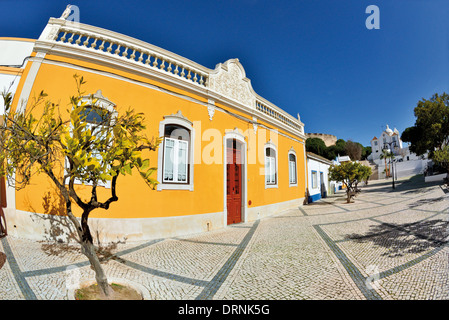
(100,101)
(93,43)
(227,83)
(229,79)
(178,115)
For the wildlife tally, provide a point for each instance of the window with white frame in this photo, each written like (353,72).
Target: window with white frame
(175,154)
(292,168)
(97,119)
(270,167)
(97,114)
(314,180)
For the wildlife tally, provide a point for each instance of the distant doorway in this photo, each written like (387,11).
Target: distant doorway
(322,186)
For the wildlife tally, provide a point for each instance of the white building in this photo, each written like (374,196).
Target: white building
(13,52)
(406,163)
(319,185)
(388,139)
(339,159)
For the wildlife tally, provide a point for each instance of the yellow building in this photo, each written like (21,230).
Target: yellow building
(13,54)
(238,157)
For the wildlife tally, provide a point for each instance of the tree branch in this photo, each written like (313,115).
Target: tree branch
(112,198)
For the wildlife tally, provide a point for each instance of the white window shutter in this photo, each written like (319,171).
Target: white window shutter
(182,160)
(175,161)
(169,149)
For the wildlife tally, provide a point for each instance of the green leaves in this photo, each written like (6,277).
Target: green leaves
(386,155)
(95,143)
(145,164)
(7,98)
(349,172)
(442,157)
(431,127)
(354,150)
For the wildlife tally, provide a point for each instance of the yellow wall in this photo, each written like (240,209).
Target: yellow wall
(11,71)
(136,199)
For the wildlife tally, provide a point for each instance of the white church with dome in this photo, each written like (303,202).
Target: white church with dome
(406,162)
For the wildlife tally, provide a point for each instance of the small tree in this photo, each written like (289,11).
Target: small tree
(350,173)
(442,157)
(365,173)
(386,154)
(68,150)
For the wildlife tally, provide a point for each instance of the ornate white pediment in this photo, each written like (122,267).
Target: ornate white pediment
(178,116)
(98,100)
(229,80)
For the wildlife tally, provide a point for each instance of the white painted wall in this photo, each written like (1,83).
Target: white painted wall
(314,165)
(13,52)
(405,168)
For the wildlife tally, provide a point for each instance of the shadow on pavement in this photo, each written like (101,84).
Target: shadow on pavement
(413,185)
(405,238)
(427,201)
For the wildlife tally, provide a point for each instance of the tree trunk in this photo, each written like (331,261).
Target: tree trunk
(348,190)
(84,234)
(88,249)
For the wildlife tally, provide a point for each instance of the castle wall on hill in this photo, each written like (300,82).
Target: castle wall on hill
(329,140)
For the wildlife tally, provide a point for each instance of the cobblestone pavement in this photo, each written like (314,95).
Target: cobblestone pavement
(389,244)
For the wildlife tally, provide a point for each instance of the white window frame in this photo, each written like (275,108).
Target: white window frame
(101,103)
(290,183)
(314,179)
(175,161)
(270,145)
(176,119)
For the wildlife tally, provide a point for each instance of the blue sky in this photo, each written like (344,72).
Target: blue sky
(312,57)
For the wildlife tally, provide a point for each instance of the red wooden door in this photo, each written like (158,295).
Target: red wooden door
(234,184)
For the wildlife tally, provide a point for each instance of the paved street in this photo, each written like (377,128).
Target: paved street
(387,245)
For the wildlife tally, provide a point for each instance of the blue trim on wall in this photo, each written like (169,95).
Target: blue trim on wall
(314,197)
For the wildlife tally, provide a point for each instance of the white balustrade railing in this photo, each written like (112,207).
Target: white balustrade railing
(279,115)
(146,57)
(142,54)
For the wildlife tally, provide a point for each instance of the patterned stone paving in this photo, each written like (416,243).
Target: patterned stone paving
(389,244)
